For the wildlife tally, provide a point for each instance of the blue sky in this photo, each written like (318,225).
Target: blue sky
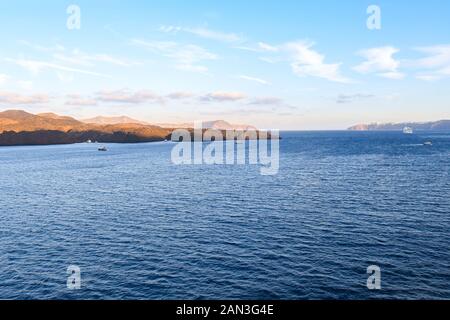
(274,64)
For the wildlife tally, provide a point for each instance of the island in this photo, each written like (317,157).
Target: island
(18,127)
(441,125)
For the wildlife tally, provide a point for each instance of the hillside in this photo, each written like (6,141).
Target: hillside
(442,125)
(101,120)
(22,128)
(216,124)
(18,120)
(18,127)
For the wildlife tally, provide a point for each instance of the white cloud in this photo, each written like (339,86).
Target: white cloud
(127,96)
(380,61)
(121,96)
(394,75)
(247,48)
(36,47)
(349,98)
(259,47)
(254,79)
(437,62)
(180,95)
(156,46)
(78,57)
(214,35)
(275,104)
(78,100)
(266,101)
(304,60)
(19,99)
(268,60)
(25,85)
(141,97)
(427,77)
(267,47)
(36,66)
(204,33)
(192,68)
(307,62)
(439,56)
(223,96)
(170,29)
(187,57)
(3,78)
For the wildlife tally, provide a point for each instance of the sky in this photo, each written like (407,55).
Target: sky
(292,64)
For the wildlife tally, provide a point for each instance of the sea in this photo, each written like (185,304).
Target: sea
(138,226)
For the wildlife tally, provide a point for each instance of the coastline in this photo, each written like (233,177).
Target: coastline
(18,128)
(56,137)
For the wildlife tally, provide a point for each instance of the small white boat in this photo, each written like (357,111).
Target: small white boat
(102,149)
(428,143)
(408,130)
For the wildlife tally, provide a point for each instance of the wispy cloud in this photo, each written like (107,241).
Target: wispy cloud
(270,102)
(266,101)
(25,84)
(204,33)
(3,78)
(78,57)
(307,62)
(128,96)
(254,79)
(180,95)
(247,48)
(437,63)
(187,57)
(36,66)
(65,63)
(223,96)
(381,62)
(267,47)
(42,48)
(304,60)
(19,99)
(269,60)
(259,47)
(438,56)
(349,98)
(120,96)
(78,100)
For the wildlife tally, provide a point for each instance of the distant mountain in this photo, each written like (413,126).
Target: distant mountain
(216,124)
(113,120)
(50,115)
(187,125)
(223,125)
(18,120)
(18,127)
(442,125)
(22,128)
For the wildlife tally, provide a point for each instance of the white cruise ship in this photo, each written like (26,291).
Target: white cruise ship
(408,130)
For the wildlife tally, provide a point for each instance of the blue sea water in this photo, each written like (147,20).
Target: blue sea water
(140,227)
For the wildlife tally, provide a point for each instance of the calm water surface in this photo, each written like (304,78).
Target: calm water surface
(142,228)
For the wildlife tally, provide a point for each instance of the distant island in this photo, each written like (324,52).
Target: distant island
(442,125)
(18,127)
